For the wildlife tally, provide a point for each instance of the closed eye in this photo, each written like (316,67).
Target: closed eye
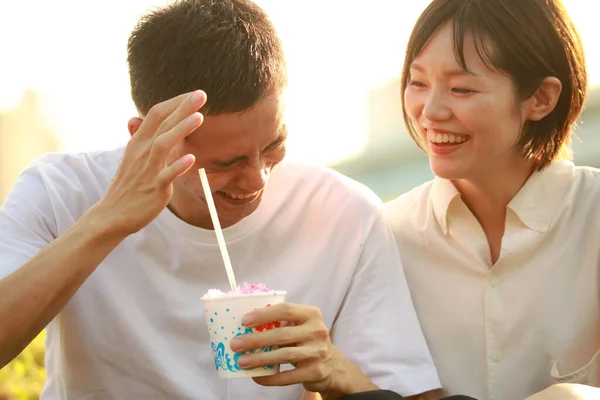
(227,164)
(416,84)
(275,146)
(278,143)
(463,91)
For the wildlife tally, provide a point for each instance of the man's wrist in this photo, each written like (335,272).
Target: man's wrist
(347,378)
(101,223)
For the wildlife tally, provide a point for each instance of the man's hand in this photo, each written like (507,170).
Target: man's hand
(143,184)
(303,341)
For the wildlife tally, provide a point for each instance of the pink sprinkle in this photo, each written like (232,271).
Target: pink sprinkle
(249,288)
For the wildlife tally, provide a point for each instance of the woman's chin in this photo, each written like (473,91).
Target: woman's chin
(447,169)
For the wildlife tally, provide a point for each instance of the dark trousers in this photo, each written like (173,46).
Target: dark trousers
(389,395)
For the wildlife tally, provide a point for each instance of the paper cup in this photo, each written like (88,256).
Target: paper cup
(224,320)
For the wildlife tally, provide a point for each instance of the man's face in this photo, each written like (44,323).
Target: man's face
(238,152)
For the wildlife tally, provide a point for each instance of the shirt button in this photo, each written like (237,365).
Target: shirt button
(497,356)
(494,281)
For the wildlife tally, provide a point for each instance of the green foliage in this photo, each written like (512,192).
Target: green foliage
(23,378)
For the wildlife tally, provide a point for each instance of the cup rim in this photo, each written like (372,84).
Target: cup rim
(244,295)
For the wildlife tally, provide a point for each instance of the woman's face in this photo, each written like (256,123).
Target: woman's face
(469,121)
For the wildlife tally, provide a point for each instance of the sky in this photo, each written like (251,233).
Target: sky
(72,53)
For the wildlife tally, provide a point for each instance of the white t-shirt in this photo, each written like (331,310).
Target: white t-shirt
(507,331)
(136,328)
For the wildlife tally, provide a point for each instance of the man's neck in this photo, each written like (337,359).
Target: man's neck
(191,211)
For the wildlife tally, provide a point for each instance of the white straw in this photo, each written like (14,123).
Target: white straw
(217,226)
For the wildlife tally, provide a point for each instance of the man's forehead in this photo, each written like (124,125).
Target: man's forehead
(267,113)
(241,134)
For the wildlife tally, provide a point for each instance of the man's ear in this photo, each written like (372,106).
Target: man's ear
(134,124)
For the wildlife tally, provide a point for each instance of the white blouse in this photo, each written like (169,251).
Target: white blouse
(533,318)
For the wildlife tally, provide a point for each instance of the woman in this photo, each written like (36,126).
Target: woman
(502,248)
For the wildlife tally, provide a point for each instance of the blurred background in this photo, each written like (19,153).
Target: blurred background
(64,87)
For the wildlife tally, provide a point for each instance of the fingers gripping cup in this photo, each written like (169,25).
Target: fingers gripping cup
(224,313)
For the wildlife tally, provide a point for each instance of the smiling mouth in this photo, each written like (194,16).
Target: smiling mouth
(447,138)
(241,196)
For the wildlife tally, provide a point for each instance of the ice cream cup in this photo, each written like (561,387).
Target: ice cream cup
(224,319)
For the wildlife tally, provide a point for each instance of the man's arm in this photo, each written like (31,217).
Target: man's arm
(35,293)
(46,273)
(377,327)
(376,338)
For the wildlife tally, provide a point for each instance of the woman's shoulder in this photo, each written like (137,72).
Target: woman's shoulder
(410,204)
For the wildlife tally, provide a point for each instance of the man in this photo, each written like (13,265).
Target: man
(113,250)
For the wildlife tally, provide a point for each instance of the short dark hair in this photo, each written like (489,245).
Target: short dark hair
(228,48)
(531,40)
